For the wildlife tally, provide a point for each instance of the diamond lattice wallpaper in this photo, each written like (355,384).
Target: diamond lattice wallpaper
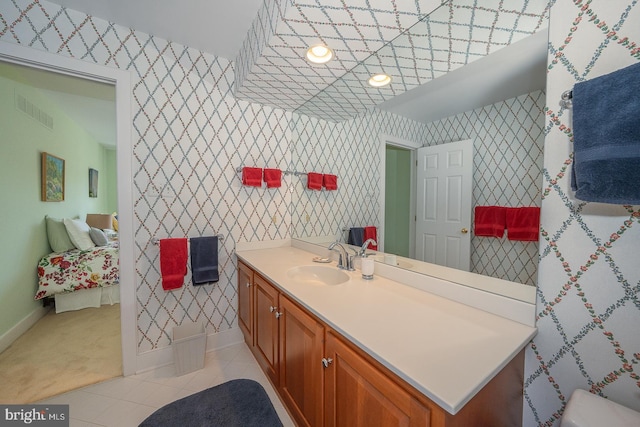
(191,133)
(273,71)
(508,141)
(589,280)
(350,149)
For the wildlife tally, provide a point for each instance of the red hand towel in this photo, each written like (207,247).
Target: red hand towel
(252,177)
(273,177)
(330,182)
(523,224)
(173,262)
(314,181)
(489,221)
(370,232)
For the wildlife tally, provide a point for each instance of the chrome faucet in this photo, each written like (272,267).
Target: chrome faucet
(361,253)
(345,261)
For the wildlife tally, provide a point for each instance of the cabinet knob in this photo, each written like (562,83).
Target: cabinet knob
(278,315)
(248,285)
(326,362)
(272,309)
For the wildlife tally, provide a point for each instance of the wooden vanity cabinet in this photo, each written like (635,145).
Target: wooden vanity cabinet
(245,302)
(358,394)
(301,353)
(265,328)
(326,380)
(287,343)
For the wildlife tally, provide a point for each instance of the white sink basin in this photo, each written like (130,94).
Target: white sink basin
(317,275)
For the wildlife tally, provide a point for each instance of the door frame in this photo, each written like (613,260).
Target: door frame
(385,140)
(30,57)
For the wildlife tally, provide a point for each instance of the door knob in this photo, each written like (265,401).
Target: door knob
(464,231)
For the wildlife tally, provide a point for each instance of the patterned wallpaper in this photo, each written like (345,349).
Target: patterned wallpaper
(350,149)
(453,35)
(191,133)
(589,280)
(508,142)
(273,70)
(508,136)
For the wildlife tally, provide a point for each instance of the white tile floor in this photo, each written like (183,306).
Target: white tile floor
(125,402)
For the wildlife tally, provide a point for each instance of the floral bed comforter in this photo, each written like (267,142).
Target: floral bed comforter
(74,270)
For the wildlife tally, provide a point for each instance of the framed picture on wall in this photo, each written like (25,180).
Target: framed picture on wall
(52,188)
(93,183)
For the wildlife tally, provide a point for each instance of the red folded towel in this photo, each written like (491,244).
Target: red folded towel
(523,224)
(314,181)
(489,221)
(330,182)
(173,262)
(370,232)
(252,177)
(273,177)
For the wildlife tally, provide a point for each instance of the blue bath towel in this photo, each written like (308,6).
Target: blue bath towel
(204,260)
(356,236)
(606,130)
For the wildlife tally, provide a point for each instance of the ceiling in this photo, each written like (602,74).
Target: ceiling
(215,26)
(90,104)
(267,40)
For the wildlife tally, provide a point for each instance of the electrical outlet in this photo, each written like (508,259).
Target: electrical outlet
(274,219)
(307,217)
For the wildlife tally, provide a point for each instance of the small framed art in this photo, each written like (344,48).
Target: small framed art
(93,183)
(52,178)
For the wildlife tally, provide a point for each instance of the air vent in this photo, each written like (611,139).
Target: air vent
(27,107)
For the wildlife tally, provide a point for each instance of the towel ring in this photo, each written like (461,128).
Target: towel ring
(566,99)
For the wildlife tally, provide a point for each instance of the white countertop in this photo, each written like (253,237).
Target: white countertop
(443,348)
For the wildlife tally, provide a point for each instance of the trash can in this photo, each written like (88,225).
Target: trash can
(189,346)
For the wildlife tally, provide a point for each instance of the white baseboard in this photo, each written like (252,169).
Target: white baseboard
(164,356)
(21,327)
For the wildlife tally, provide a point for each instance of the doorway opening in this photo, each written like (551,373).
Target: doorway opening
(121,81)
(397,203)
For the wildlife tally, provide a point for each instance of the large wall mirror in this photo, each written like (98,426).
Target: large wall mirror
(460,73)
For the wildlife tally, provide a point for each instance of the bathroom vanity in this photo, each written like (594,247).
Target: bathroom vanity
(344,351)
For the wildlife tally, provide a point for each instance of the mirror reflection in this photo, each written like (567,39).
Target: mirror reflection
(488,89)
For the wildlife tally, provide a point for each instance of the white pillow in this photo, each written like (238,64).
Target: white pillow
(98,236)
(78,231)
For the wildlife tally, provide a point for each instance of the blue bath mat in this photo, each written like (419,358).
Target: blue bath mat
(242,403)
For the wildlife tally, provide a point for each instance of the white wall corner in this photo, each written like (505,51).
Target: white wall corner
(153,359)
(21,327)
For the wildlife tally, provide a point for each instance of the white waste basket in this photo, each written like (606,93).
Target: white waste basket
(189,347)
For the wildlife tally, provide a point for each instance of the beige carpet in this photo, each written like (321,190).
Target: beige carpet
(62,352)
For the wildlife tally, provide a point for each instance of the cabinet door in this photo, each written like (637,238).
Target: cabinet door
(301,341)
(358,394)
(266,326)
(245,302)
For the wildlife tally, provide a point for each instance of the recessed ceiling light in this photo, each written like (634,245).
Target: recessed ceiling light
(379,80)
(319,54)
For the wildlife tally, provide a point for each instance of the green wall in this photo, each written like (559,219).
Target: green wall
(22,225)
(111,182)
(397,214)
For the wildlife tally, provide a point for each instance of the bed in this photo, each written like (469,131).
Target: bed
(78,279)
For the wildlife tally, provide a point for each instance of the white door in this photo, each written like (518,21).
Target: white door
(443,211)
